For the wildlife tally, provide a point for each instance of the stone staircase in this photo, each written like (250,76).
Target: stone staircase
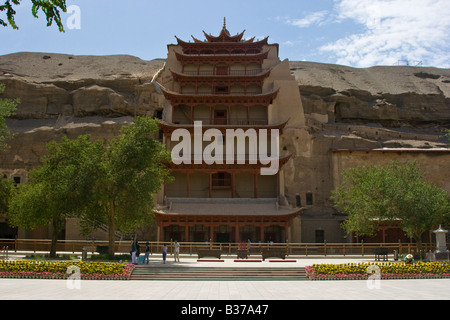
(142,272)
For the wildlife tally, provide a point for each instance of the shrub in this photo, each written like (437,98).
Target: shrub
(388,270)
(58,269)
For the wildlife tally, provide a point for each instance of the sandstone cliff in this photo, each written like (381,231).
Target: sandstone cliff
(71,95)
(344,107)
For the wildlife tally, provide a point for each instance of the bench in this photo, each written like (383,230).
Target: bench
(381,253)
(209,253)
(242,254)
(272,253)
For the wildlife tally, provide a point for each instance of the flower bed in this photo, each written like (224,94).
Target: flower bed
(386,270)
(38,269)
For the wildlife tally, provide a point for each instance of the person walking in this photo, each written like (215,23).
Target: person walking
(164,252)
(133,252)
(176,247)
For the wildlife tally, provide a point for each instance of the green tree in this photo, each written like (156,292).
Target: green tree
(58,189)
(134,170)
(394,193)
(80,178)
(51,9)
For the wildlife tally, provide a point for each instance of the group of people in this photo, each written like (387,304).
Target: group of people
(135,252)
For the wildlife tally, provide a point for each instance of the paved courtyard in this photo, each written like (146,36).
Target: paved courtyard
(26,289)
(35,289)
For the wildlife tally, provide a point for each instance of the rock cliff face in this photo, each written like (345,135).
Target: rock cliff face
(344,108)
(71,95)
(390,96)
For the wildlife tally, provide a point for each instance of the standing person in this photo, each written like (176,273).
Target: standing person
(147,252)
(133,252)
(138,251)
(176,246)
(164,252)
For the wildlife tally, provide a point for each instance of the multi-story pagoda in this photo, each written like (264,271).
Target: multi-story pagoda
(226,83)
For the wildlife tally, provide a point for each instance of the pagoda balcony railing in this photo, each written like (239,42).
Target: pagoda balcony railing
(228,73)
(234,54)
(236,156)
(232,122)
(234,93)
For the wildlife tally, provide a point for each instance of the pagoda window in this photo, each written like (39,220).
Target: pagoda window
(221,180)
(221,90)
(309,199)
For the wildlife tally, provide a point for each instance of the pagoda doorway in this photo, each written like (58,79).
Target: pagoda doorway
(199,233)
(174,232)
(223,233)
(220,117)
(274,233)
(248,232)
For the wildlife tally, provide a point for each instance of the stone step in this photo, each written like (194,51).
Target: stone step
(219,273)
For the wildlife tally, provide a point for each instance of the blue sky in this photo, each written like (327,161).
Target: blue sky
(358,33)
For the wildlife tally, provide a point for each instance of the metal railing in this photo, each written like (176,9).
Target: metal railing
(292,249)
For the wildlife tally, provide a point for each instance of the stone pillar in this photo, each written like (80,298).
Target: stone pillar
(441,242)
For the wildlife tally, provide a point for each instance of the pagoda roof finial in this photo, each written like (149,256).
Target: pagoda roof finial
(224,22)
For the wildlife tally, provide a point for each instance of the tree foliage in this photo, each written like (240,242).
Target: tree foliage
(51,9)
(59,188)
(393,193)
(134,170)
(112,184)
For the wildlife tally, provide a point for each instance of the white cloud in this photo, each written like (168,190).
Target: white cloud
(414,30)
(314,18)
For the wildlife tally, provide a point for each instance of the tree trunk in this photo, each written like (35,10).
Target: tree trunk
(55,232)
(419,245)
(111,228)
